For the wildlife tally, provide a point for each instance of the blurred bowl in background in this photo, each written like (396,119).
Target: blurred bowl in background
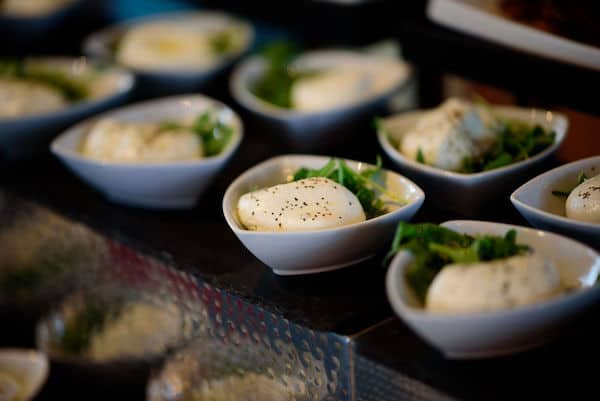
(535,201)
(26,135)
(169,185)
(311,130)
(166,78)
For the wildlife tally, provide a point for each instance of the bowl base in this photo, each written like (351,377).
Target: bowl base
(320,269)
(500,352)
(152,203)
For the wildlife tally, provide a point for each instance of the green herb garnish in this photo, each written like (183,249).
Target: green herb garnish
(215,134)
(420,156)
(565,194)
(433,247)
(362,184)
(275,85)
(516,141)
(222,42)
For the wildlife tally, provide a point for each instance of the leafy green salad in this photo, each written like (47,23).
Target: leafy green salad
(362,184)
(433,247)
(516,141)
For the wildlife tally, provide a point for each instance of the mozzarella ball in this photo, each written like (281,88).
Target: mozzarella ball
(304,205)
(329,89)
(113,141)
(345,85)
(173,146)
(493,286)
(449,134)
(22,98)
(139,330)
(583,203)
(165,45)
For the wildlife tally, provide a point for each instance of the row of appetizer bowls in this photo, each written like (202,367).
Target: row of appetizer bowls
(303,214)
(468,288)
(181,53)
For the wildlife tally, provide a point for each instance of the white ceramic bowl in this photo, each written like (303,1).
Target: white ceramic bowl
(28,368)
(308,129)
(480,335)
(469,193)
(22,136)
(289,253)
(151,185)
(177,80)
(534,200)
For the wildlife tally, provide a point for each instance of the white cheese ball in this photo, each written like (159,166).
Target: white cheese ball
(583,203)
(345,85)
(165,45)
(493,286)
(22,98)
(449,134)
(113,141)
(304,205)
(138,331)
(173,146)
(329,89)
(248,387)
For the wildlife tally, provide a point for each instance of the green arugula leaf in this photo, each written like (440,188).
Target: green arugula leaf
(516,141)
(215,135)
(275,85)
(362,184)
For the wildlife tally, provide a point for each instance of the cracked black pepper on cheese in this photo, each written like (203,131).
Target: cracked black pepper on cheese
(310,204)
(583,203)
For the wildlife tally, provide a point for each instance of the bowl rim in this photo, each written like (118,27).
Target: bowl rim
(70,154)
(403,309)
(126,75)
(228,199)
(399,158)
(238,87)
(102,34)
(552,217)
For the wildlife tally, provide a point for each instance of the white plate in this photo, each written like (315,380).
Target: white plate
(25,135)
(151,185)
(28,368)
(177,80)
(534,200)
(468,193)
(483,18)
(308,129)
(289,253)
(481,335)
